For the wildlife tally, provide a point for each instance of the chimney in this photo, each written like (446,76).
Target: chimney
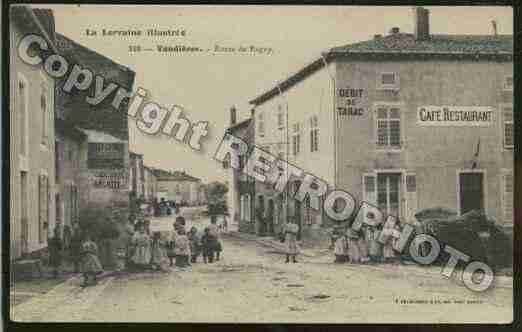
(422,23)
(233,115)
(494,26)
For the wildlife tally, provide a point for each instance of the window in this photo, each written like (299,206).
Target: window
(57,160)
(296,139)
(314,134)
(261,125)
(45,115)
(388,189)
(280,117)
(508,83)
(22,117)
(43,204)
(244,209)
(388,128)
(507,198)
(388,81)
(507,113)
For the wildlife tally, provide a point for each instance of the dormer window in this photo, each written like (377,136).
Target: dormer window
(388,81)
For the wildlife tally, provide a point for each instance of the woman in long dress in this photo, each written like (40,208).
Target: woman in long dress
(354,253)
(340,245)
(91,265)
(142,248)
(362,244)
(374,246)
(292,249)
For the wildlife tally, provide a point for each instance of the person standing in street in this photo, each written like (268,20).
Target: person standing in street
(214,234)
(76,248)
(290,231)
(55,251)
(142,248)
(195,244)
(182,249)
(91,266)
(354,253)
(159,256)
(340,245)
(374,246)
(208,245)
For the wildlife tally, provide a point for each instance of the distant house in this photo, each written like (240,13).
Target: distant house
(178,186)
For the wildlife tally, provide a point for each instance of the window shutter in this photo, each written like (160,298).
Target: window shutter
(411,197)
(507,198)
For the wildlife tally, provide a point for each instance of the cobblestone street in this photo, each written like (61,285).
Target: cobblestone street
(253,284)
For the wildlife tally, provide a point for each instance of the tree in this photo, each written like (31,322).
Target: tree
(216,197)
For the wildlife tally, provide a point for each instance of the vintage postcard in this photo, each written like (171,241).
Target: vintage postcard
(261,164)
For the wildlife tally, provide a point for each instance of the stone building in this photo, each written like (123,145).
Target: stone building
(104,158)
(150,184)
(32,139)
(70,146)
(177,186)
(405,121)
(241,192)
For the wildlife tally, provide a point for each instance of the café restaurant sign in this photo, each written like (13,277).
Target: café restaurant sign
(455,116)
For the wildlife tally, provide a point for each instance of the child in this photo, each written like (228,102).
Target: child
(195,245)
(159,256)
(354,254)
(55,251)
(182,249)
(340,245)
(171,245)
(362,245)
(208,246)
(91,265)
(141,248)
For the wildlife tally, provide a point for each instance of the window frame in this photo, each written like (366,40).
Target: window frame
(261,124)
(296,138)
(383,86)
(24,151)
(314,133)
(505,173)
(44,95)
(505,86)
(504,123)
(388,106)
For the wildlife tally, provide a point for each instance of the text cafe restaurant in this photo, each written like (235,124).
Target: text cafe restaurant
(427,126)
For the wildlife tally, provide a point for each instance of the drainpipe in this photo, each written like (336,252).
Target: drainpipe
(286,147)
(334,116)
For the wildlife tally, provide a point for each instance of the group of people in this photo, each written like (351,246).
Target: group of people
(149,250)
(364,246)
(83,253)
(163,208)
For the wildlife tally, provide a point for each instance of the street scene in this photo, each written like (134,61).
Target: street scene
(320,173)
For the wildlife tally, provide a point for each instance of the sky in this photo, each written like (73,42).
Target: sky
(208,84)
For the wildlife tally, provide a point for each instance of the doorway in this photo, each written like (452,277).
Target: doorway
(471,191)
(24,234)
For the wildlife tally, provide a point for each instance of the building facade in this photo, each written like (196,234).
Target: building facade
(241,191)
(104,158)
(405,121)
(150,184)
(32,141)
(137,175)
(70,146)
